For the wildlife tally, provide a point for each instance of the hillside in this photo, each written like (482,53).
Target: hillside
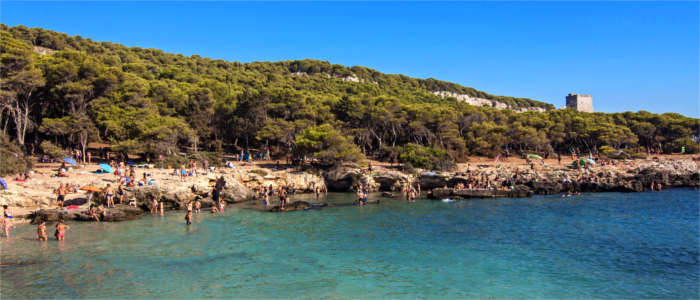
(72,90)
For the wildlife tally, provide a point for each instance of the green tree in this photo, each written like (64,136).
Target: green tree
(327,145)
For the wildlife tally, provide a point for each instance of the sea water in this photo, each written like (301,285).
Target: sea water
(610,245)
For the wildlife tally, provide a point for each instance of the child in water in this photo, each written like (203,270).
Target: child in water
(41,231)
(188,217)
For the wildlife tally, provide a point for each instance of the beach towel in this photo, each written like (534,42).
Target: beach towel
(4,184)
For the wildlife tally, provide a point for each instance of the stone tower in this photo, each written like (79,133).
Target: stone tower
(581,102)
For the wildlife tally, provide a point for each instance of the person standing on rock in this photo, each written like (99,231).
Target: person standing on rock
(61,192)
(109,193)
(121,192)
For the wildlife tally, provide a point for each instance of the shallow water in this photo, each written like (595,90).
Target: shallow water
(641,245)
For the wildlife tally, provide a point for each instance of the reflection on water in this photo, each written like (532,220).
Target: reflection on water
(594,245)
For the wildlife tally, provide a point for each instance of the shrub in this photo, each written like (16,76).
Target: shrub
(426,157)
(690,145)
(605,150)
(12,159)
(174,161)
(52,150)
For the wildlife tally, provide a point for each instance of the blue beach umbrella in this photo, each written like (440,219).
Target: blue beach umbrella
(107,168)
(70,161)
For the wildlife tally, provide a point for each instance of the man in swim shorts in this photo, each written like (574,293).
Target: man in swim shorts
(110,196)
(61,192)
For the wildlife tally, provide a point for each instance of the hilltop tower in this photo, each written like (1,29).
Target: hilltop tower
(581,102)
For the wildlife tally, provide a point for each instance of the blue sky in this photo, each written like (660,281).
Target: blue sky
(629,55)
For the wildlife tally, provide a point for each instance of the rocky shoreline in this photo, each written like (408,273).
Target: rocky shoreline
(241,182)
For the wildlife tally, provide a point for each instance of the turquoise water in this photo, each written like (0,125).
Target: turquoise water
(642,245)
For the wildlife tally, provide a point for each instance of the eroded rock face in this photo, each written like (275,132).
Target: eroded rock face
(431,181)
(391,181)
(344,179)
(302,181)
(176,195)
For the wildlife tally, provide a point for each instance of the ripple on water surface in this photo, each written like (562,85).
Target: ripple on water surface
(595,245)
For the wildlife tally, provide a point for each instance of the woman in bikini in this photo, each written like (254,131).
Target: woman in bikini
(41,231)
(61,230)
(154,207)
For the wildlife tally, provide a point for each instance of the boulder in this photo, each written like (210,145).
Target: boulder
(391,181)
(294,206)
(433,180)
(344,179)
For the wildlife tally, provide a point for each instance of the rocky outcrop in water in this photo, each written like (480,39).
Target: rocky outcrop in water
(116,214)
(517,192)
(346,179)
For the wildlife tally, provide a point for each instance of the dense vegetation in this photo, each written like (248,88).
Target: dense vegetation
(71,90)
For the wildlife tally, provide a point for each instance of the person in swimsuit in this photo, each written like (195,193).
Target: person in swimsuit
(189,206)
(61,230)
(121,192)
(197,206)
(154,206)
(360,195)
(61,192)
(212,209)
(41,231)
(6,221)
(282,195)
(317,192)
(110,196)
(183,173)
(188,217)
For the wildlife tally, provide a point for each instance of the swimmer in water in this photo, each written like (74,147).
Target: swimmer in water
(197,206)
(213,209)
(188,217)
(41,231)
(61,230)
(154,207)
